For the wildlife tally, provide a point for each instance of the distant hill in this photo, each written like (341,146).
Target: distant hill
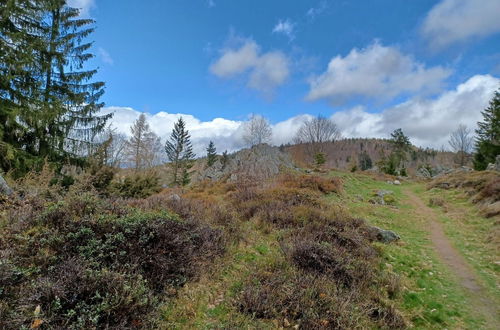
(343,154)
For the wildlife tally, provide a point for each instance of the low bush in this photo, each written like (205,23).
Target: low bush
(85,262)
(137,186)
(322,184)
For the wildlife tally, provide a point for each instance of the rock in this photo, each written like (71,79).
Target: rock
(491,167)
(423,173)
(397,182)
(4,187)
(389,182)
(174,197)
(497,163)
(385,236)
(382,193)
(259,162)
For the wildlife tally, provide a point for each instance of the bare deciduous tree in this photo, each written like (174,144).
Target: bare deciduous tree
(257,130)
(316,131)
(115,144)
(461,141)
(144,146)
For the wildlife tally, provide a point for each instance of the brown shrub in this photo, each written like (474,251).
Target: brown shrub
(436,201)
(312,301)
(322,184)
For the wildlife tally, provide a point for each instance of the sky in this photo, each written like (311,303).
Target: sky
(371,65)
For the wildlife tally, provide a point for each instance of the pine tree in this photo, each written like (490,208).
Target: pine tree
(20,27)
(365,162)
(488,135)
(65,120)
(211,154)
(180,153)
(48,104)
(224,159)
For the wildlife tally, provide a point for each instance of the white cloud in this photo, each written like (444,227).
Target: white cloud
(285,27)
(428,122)
(313,12)
(264,71)
(453,21)
(84,5)
(105,56)
(377,72)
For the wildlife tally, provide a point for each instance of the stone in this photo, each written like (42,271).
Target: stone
(174,197)
(382,193)
(4,187)
(385,236)
(397,182)
(423,173)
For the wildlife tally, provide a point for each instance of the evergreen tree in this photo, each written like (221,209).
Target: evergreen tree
(65,120)
(365,162)
(48,103)
(488,135)
(319,160)
(180,153)
(20,27)
(400,147)
(225,159)
(211,154)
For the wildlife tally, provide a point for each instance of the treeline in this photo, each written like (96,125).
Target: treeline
(49,103)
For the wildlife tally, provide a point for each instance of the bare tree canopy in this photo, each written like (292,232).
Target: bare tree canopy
(461,141)
(144,146)
(115,144)
(257,130)
(318,130)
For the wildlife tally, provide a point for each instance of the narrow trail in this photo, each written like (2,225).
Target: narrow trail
(451,257)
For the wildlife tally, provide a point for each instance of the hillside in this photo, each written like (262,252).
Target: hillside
(345,153)
(294,250)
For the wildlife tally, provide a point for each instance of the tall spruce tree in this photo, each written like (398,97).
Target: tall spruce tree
(211,154)
(48,103)
(488,135)
(180,153)
(20,30)
(66,119)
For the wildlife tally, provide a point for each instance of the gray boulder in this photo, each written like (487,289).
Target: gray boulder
(382,193)
(4,187)
(385,236)
(424,173)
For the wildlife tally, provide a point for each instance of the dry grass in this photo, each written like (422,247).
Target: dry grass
(483,188)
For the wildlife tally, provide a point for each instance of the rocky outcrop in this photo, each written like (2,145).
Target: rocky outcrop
(4,187)
(495,166)
(424,173)
(259,162)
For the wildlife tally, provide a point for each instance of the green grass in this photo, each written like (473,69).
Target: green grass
(431,297)
(471,234)
(210,302)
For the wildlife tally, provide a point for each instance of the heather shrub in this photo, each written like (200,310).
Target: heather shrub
(86,262)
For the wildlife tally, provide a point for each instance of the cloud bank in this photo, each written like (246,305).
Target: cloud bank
(262,71)
(427,121)
(375,72)
(454,21)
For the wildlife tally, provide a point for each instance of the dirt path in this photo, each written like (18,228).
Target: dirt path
(450,256)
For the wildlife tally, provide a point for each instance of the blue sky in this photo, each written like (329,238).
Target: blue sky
(368,63)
